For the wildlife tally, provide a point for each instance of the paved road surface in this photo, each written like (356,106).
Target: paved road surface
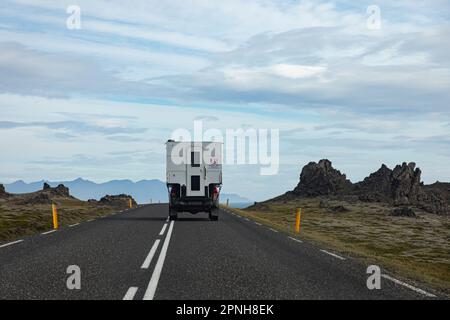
(194,258)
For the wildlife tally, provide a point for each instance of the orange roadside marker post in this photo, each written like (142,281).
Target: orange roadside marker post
(297,220)
(55,216)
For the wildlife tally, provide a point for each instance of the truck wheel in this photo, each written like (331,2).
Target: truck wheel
(173,215)
(213,216)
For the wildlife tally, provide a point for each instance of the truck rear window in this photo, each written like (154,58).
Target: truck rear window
(195,183)
(195,159)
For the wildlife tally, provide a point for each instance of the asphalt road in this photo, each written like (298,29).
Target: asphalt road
(138,254)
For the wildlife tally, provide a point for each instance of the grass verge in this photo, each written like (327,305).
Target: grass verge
(18,220)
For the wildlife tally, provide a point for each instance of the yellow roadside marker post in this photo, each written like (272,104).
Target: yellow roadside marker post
(130,204)
(297,220)
(55,216)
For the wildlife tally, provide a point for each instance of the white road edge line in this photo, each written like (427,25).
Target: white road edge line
(153,284)
(246,219)
(10,243)
(423,292)
(163,229)
(150,255)
(130,293)
(300,241)
(73,225)
(332,254)
(259,224)
(48,232)
(271,229)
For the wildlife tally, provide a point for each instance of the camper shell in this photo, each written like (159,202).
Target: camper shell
(193,177)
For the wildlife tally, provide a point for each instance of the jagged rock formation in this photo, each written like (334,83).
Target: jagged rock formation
(376,187)
(321,178)
(405,181)
(60,190)
(401,186)
(120,200)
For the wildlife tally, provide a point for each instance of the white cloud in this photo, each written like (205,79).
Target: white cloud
(293,71)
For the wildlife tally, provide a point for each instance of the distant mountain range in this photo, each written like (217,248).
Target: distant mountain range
(142,191)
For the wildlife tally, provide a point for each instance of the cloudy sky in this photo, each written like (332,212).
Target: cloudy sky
(99,102)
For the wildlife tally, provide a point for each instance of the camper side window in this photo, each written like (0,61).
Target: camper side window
(195,159)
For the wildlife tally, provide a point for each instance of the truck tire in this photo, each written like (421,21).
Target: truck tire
(214,215)
(173,215)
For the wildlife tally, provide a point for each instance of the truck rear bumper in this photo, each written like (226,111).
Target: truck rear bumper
(192,204)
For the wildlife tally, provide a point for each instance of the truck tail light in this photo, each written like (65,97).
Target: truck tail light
(215,193)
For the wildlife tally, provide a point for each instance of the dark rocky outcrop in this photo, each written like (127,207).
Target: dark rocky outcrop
(406,186)
(121,200)
(60,190)
(318,179)
(432,201)
(403,212)
(442,188)
(400,187)
(407,189)
(377,187)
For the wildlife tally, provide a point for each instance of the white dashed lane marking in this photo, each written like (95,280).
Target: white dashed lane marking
(423,292)
(10,243)
(333,255)
(153,284)
(130,293)
(297,240)
(48,232)
(150,255)
(163,229)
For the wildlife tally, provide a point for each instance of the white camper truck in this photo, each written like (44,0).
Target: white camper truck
(194,177)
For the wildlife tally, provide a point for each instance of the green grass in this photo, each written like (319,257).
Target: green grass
(417,249)
(18,220)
